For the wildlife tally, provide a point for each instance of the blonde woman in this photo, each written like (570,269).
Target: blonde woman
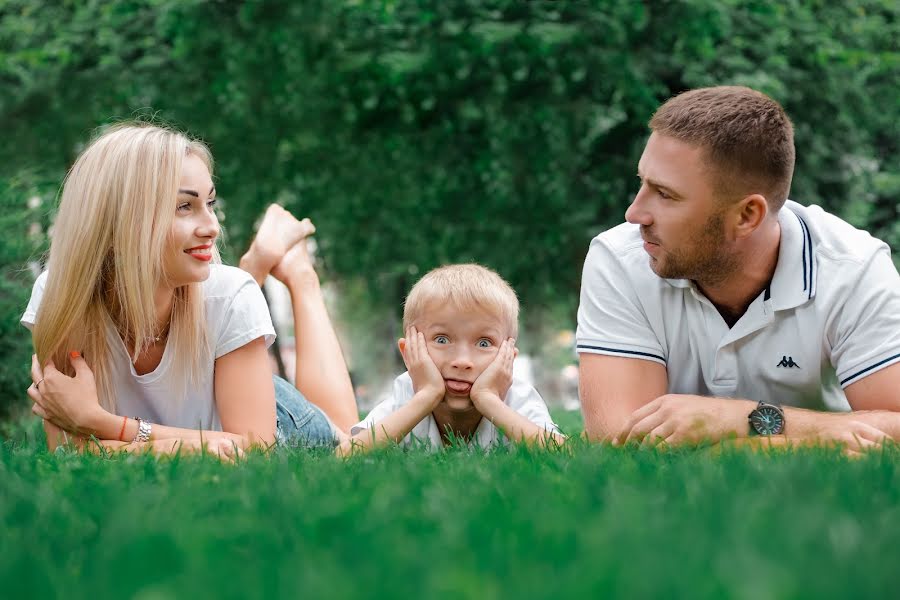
(144,341)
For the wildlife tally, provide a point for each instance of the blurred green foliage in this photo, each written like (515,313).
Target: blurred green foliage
(23,224)
(421,132)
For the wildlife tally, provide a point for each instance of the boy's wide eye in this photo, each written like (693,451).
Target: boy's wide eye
(441,339)
(484,343)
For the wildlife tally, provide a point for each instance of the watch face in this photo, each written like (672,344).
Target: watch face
(767,420)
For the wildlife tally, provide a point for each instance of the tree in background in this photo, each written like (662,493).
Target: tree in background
(416,133)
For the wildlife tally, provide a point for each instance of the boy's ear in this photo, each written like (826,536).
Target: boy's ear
(515,353)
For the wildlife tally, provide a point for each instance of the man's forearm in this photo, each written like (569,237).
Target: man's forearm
(684,418)
(809,424)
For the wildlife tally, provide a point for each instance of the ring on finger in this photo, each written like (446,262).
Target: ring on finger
(37,386)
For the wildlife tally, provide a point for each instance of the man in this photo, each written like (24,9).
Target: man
(721,308)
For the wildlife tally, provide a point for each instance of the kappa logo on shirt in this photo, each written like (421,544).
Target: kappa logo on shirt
(788,362)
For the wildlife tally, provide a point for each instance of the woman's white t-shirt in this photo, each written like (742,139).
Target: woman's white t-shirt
(236,314)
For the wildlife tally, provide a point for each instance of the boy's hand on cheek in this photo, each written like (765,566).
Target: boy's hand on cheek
(493,383)
(426,378)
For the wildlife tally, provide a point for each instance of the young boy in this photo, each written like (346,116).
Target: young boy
(461,322)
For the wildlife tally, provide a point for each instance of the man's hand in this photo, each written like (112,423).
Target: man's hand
(680,418)
(493,383)
(847,431)
(426,378)
(70,403)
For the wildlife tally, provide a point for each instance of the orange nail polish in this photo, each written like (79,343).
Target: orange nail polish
(74,354)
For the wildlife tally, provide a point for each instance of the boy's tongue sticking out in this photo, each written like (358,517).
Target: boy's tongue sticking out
(458,387)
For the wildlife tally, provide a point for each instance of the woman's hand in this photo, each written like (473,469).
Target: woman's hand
(70,403)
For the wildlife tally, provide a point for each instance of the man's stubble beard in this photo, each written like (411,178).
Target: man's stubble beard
(708,261)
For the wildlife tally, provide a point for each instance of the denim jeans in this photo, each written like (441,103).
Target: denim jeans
(299,421)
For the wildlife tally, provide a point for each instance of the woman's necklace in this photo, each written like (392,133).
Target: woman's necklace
(164,333)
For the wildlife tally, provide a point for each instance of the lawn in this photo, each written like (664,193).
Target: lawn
(587,521)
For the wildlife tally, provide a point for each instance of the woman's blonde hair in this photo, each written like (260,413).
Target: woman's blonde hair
(464,286)
(110,240)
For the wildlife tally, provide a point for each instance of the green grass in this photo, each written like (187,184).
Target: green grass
(591,521)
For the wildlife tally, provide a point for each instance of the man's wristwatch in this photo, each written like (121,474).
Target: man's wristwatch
(766,419)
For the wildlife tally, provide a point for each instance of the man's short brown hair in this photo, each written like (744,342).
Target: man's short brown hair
(746,136)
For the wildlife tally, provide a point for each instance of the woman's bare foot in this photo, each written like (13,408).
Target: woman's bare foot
(279,232)
(296,267)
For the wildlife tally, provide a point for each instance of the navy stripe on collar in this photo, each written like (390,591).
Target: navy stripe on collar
(617,351)
(808,275)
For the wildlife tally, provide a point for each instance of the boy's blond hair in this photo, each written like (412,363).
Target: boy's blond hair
(464,286)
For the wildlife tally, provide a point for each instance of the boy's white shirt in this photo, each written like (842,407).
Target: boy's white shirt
(522,398)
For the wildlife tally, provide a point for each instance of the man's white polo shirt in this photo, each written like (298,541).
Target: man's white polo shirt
(830,316)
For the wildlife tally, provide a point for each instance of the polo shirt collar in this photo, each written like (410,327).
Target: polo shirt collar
(794,281)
